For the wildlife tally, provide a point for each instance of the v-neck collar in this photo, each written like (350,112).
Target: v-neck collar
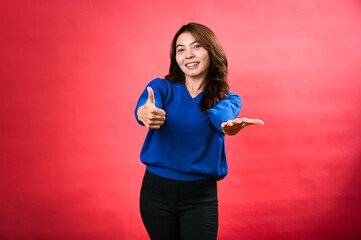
(188,95)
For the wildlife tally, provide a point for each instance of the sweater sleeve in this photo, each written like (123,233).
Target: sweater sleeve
(159,93)
(227,109)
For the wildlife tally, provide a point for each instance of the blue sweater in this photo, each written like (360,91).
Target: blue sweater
(186,147)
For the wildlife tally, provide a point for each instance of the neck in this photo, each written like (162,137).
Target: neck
(194,86)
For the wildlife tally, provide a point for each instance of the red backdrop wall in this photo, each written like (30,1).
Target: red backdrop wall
(71,73)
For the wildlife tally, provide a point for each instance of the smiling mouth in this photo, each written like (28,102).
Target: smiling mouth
(192,64)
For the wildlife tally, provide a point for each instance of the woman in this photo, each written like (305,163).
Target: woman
(188,114)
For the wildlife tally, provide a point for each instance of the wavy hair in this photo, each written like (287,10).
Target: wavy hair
(215,85)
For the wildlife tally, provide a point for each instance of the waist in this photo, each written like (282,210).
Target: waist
(174,175)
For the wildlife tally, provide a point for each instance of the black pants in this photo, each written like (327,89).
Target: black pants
(174,210)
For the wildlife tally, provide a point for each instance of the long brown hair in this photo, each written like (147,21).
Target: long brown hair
(215,85)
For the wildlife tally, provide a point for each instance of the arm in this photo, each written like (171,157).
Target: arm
(224,116)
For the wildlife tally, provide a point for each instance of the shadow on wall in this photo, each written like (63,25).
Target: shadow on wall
(343,219)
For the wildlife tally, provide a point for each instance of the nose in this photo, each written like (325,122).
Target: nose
(189,53)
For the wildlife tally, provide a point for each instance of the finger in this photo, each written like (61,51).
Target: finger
(229,123)
(237,121)
(155,126)
(259,122)
(158,111)
(156,122)
(145,124)
(151,95)
(224,125)
(254,121)
(153,117)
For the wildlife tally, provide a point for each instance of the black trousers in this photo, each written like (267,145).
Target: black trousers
(179,210)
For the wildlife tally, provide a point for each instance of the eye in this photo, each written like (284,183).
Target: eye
(197,46)
(180,50)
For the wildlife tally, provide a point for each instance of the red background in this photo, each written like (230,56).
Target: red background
(71,73)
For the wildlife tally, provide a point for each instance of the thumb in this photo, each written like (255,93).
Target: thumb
(151,95)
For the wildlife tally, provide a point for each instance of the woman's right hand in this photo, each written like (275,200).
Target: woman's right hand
(151,116)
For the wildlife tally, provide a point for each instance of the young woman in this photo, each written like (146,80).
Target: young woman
(188,114)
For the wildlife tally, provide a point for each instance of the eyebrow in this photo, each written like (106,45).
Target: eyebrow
(181,45)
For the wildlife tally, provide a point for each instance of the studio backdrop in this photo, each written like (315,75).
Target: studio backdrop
(72,71)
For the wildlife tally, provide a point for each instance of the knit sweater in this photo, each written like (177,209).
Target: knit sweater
(190,143)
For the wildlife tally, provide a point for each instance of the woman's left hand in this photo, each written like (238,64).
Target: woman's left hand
(232,127)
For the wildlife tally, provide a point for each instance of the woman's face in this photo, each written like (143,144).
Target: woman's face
(191,57)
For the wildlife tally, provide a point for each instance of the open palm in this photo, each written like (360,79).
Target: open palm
(232,127)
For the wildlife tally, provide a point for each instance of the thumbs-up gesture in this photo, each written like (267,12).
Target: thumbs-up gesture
(151,116)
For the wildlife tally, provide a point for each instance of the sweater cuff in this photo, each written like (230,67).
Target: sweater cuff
(227,109)
(218,117)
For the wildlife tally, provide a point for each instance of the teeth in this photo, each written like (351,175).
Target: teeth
(191,64)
